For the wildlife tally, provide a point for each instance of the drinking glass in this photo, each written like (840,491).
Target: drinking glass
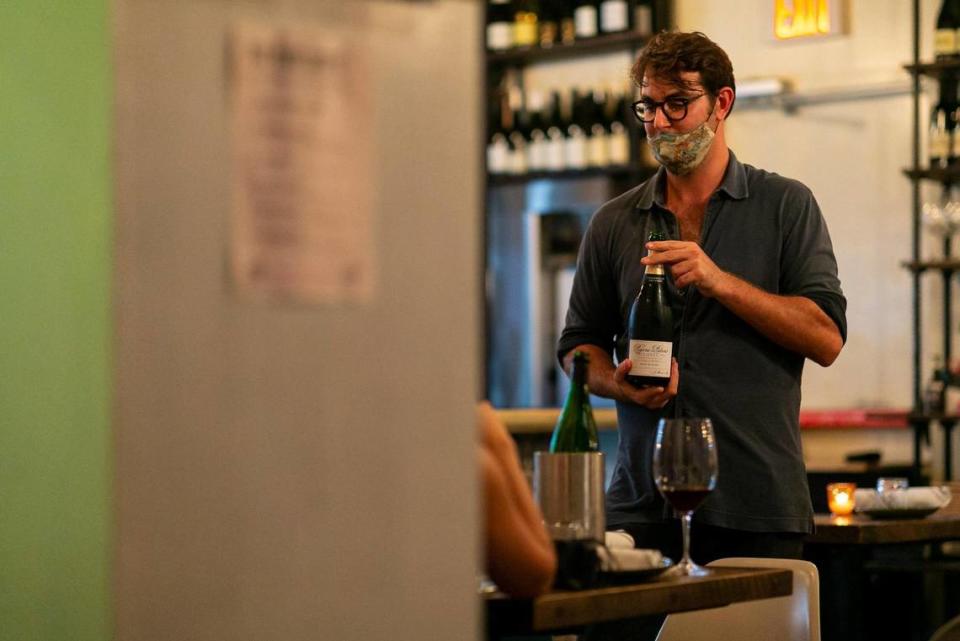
(685,471)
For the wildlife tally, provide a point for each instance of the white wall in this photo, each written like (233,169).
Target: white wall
(292,472)
(851,155)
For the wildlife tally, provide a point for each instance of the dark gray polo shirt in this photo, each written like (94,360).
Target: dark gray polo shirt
(767,230)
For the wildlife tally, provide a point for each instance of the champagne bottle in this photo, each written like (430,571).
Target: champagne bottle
(575,152)
(499,25)
(576,430)
(525,18)
(945,38)
(555,135)
(598,147)
(651,328)
(619,139)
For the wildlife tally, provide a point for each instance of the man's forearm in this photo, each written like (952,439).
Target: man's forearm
(793,322)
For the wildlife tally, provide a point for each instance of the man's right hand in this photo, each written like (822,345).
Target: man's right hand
(652,398)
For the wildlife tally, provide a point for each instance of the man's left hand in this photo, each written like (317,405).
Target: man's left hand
(688,264)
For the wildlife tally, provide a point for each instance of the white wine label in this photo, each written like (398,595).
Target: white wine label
(643,20)
(498,155)
(613,16)
(598,152)
(620,145)
(650,358)
(575,149)
(945,42)
(939,144)
(585,19)
(499,36)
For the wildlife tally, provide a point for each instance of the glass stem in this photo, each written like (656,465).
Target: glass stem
(685,524)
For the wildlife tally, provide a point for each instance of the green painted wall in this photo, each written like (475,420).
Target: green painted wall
(55,248)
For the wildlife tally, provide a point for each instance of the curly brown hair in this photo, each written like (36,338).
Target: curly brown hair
(669,54)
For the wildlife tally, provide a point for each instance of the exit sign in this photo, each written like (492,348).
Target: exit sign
(794,19)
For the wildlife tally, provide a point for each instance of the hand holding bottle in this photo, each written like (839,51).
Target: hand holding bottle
(689,265)
(652,398)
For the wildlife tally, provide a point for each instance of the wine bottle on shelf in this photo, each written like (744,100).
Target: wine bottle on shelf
(651,328)
(939,138)
(598,152)
(498,147)
(945,37)
(555,135)
(537,145)
(525,23)
(618,137)
(518,143)
(549,23)
(952,86)
(643,17)
(576,142)
(499,25)
(576,429)
(568,27)
(585,19)
(614,16)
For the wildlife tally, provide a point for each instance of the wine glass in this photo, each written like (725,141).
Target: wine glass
(685,471)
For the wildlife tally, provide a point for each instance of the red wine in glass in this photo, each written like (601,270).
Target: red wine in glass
(685,471)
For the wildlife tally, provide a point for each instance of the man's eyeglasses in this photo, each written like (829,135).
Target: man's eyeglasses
(674,108)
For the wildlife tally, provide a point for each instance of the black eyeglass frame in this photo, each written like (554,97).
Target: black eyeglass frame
(661,105)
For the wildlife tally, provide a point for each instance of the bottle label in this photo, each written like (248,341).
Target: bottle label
(585,19)
(939,144)
(499,36)
(945,42)
(576,149)
(613,16)
(526,30)
(643,20)
(619,145)
(498,155)
(650,358)
(598,154)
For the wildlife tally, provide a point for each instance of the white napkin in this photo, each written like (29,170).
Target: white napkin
(911,498)
(618,539)
(628,560)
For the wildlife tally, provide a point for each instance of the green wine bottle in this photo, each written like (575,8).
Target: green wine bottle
(576,430)
(651,328)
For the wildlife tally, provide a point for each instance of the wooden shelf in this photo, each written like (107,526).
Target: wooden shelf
(600,44)
(948,175)
(616,172)
(934,69)
(946,266)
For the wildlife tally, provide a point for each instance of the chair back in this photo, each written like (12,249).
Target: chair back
(789,618)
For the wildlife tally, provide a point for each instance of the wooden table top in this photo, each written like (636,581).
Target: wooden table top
(863,530)
(568,609)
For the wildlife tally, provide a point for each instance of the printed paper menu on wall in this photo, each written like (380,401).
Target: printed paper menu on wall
(302,166)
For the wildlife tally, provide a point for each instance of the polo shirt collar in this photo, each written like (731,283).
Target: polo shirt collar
(734,185)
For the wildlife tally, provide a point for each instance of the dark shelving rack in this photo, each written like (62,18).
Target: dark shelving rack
(947,266)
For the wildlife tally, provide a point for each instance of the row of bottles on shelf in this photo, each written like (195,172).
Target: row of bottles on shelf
(944,130)
(570,131)
(545,23)
(946,40)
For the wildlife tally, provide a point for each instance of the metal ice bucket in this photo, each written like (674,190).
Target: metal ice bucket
(569,490)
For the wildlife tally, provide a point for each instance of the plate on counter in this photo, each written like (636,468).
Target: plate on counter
(900,513)
(623,577)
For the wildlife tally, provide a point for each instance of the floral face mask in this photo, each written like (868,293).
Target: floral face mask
(682,153)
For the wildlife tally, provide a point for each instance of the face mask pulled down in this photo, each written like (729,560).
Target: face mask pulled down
(682,153)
